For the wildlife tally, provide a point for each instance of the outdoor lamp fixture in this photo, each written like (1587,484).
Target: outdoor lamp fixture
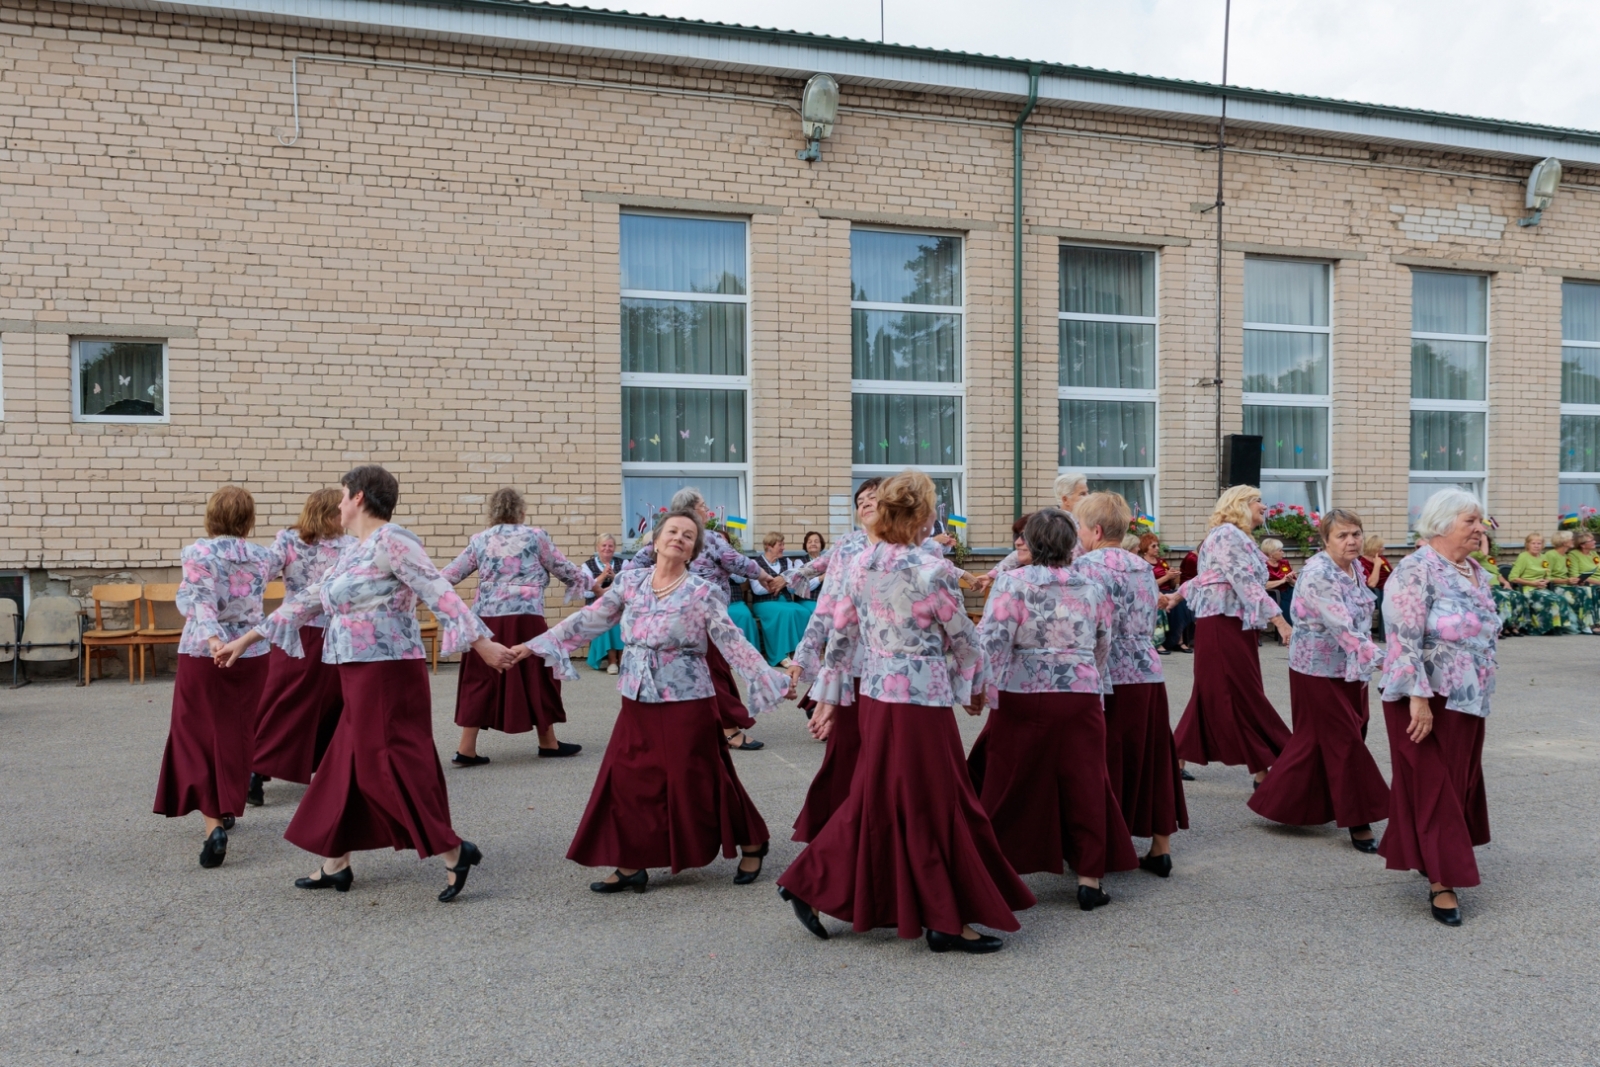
(819,107)
(1542,186)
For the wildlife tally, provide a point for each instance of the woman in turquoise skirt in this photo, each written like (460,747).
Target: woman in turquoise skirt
(605,651)
(783,617)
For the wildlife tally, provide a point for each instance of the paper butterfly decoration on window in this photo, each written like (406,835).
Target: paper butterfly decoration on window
(97,387)
(124,381)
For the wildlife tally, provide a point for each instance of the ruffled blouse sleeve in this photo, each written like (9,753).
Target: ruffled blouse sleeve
(458,626)
(1003,613)
(835,677)
(282,627)
(555,644)
(766,687)
(576,578)
(463,565)
(962,653)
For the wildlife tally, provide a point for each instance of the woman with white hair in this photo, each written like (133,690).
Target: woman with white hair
(1070,488)
(1229,718)
(1438,677)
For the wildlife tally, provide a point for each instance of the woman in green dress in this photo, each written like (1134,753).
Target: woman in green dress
(1576,570)
(1547,610)
(1511,605)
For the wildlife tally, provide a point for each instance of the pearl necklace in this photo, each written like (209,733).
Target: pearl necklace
(1464,568)
(669,590)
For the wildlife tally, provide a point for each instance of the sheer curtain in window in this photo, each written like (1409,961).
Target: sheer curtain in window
(671,254)
(121,378)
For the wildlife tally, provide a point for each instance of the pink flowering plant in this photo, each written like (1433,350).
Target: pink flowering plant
(1293,525)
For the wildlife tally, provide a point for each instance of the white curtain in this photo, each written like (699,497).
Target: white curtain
(1107,355)
(1447,440)
(907,430)
(1285,293)
(1448,370)
(1292,438)
(1107,281)
(905,268)
(905,347)
(682,337)
(683,425)
(1107,433)
(1449,303)
(120,378)
(679,255)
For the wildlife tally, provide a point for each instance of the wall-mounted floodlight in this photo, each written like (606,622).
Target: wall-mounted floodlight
(819,107)
(1542,186)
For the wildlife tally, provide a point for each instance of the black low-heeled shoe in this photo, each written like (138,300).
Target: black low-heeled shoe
(744,877)
(561,751)
(805,913)
(468,761)
(254,796)
(215,849)
(978,946)
(637,881)
(341,880)
(469,858)
(1448,916)
(1369,845)
(746,743)
(1091,897)
(1160,866)
(1183,772)
(228,822)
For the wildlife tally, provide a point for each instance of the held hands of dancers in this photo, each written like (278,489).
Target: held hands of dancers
(776,584)
(497,655)
(1282,625)
(1421,720)
(226,655)
(821,721)
(1166,600)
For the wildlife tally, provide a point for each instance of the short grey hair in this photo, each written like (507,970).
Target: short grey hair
(1443,509)
(1069,482)
(687,499)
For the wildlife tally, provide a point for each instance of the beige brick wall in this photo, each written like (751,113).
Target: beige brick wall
(428,277)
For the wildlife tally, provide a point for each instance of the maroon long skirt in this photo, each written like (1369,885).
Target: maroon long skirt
(206,766)
(831,785)
(667,794)
(1229,719)
(518,700)
(730,709)
(1143,761)
(380,783)
(1438,810)
(911,846)
(1325,773)
(299,710)
(1041,763)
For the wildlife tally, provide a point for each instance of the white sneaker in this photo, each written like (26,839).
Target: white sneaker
(611,668)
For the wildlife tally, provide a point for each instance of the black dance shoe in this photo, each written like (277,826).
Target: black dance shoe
(561,750)
(743,877)
(469,858)
(746,742)
(1160,866)
(228,822)
(978,946)
(1368,845)
(1091,897)
(805,913)
(254,796)
(340,880)
(215,850)
(468,761)
(1183,772)
(635,881)
(1448,916)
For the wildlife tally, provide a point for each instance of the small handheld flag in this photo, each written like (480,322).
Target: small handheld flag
(734,522)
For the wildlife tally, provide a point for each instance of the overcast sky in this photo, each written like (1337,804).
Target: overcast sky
(1533,60)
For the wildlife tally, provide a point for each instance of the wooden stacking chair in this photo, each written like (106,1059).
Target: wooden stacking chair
(272,598)
(10,637)
(163,621)
(53,630)
(428,623)
(100,641)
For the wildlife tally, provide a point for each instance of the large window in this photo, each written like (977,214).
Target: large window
(685,370)
(1580,396)
(906,310)
(119,381)
(1107,384)
(1449,376)
(1287,329)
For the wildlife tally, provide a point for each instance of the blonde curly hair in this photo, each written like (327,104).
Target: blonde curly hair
(1233,506)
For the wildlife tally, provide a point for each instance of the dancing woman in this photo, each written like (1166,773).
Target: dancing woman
(301,702)
(667,794)
(910,847)
(206,765)
(1070,488)
(1229,718)
(380,782)
(716,562)
(1040,765)
(1140,754)
(1438,677)
(515,563)
(1325,772)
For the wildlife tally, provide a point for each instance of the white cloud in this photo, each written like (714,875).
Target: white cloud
(1530,60)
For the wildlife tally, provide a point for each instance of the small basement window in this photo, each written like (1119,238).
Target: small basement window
(119,381)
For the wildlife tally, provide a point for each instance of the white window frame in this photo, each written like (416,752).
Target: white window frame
(1479,479)
(1591,477)
(1298,400)
(77,392)
(1148,474)
(729,382)
(956,472)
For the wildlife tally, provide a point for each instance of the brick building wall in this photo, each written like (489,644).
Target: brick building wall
(428,277)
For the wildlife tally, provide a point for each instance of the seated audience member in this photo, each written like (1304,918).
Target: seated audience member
(1507,601)
(1280,577)
(1546,610)
(783,618)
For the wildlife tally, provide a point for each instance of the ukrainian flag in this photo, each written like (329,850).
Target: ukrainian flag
(1569,518)
(734,522)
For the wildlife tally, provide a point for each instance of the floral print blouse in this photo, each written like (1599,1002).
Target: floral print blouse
(1045,630)
(220,595)
(717,560)
(1332,614)
(514,565)
(664,642)
(1231,579)
(820,626)
(1442,633)
(370,597)
(1129,584)
(803,577)
(304,565)
(902,606)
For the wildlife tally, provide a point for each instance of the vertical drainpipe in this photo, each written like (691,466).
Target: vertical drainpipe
(1016,292)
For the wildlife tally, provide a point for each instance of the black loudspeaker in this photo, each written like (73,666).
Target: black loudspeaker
(1244,458)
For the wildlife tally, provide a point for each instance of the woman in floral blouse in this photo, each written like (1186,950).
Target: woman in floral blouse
(667,794)
(301,703)
(910,847)
(1325,773)
(206,766)
(718,562)
(514,563)
(1229,718)
(380,784)
(1140,754)
(1438,677)
(1039,766)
